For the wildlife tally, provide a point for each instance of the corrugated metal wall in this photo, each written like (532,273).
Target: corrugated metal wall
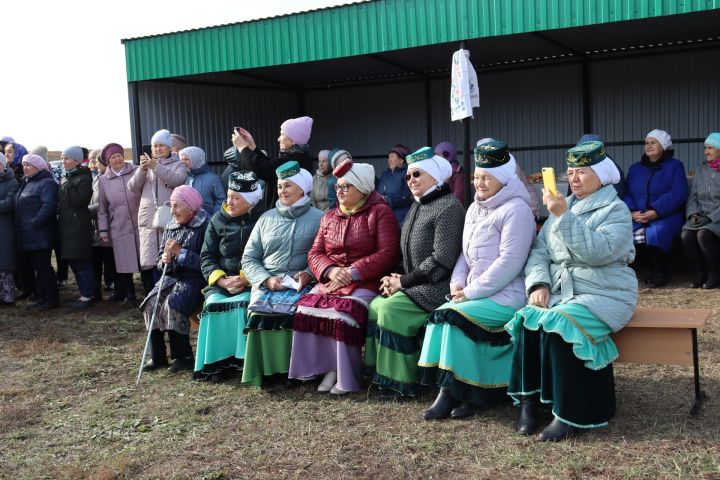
(205,115)
(527,108)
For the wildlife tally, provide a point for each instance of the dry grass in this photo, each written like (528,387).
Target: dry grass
(69,409)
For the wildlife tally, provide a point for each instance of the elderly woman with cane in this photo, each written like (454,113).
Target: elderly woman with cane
(180,293)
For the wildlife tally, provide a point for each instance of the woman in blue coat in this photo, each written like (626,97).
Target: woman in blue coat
(392,185)
(202,179)
(36,204)
(656,191)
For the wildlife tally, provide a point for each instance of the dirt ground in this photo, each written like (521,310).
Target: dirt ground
(69,408)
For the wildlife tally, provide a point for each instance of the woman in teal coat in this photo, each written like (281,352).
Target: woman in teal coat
(275,253)
(581,290)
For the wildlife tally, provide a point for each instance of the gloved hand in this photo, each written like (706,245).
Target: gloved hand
(698,221)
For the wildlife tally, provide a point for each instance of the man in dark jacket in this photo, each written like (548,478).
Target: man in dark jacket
(36,227)
(76,231)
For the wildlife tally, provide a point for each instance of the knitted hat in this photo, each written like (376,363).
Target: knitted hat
(662,137)
(336,156)
(163,137)
(109,150)
(400,149)
(434,165)
(178,141)
(589,137)
(713,140)
(446,150)
(359,175)
(40,150)
(491,154)
(36,161)
(245,183)
(196,156)
(95,153)
(188,196)
(74,152)
(298,129)
(299,176)
(324,154)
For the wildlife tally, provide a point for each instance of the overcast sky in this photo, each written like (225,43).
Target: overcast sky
(63,77)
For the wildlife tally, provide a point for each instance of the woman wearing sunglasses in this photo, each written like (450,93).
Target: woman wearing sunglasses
(430,243)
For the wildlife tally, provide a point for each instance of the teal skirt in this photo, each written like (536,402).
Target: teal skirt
(564,355)
(221,341)
(467,351)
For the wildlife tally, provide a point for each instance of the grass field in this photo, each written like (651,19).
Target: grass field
(69,408)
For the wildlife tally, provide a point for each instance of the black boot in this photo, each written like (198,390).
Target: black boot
(713,281)
(158,352)
(556,431)
(698,279)
(527,421)
(465,410)
(442,406)
(185,363)
(658,267)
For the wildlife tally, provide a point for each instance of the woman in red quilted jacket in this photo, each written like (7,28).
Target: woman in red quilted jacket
(357,244)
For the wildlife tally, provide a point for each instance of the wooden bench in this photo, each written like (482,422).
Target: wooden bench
(665,336)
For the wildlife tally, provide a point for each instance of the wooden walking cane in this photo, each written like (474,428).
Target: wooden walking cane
(152,322)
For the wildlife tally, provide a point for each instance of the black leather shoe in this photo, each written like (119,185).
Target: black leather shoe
(713,281)
(181,364)
(527,421)
(556,431)
(387,395)
(43,306)
(128,302)
(697,280)
(442,406)
(82,304)
(23,296)
(465,410)
(151,365)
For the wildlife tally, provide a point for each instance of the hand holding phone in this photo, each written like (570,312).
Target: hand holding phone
(548,174)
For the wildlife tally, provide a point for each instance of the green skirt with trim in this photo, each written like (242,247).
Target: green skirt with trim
(221,341)
(269,342)
(564,355)
(467,351)
(392,353)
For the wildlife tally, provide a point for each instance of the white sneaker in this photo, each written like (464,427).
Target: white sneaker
(328,382)
(336,391)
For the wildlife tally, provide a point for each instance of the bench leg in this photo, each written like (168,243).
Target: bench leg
(699,394)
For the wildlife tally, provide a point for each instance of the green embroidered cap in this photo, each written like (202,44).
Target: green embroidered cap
(423,154)
(586,154)
(491,154)
(287,170)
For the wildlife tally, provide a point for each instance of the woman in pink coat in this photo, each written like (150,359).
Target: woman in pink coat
(154,181)
(118,220)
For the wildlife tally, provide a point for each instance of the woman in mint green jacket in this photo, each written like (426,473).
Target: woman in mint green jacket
(581,290)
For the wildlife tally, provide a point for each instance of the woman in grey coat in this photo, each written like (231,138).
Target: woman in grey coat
(8,187)
(202,179)
(701,232)
(430,243)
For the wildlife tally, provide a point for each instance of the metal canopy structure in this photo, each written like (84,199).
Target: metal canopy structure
(394,55)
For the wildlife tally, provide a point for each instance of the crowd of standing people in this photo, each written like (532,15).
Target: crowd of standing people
(344,277)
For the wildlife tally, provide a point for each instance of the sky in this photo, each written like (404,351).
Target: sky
(64,81)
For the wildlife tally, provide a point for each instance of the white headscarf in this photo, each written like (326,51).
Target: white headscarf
(435,166)
(606,171)
(362,177)
(253,197)
(504,173)
(302,179)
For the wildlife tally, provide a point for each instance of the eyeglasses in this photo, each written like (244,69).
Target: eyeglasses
(342,188)
(414,174)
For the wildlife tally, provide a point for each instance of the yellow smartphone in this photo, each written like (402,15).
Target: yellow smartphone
(548,174)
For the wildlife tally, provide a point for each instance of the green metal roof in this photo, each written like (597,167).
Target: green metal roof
(373,27)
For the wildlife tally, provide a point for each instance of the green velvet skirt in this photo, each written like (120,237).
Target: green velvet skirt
(565,355)
(467,351)
(393,341)
(269,342)
(221,341)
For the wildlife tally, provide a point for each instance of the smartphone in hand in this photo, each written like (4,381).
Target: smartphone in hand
(548,174)
(147,150)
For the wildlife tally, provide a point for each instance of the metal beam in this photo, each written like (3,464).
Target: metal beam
(393,63)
